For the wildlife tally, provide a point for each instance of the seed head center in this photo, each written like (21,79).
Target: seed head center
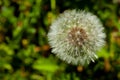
(77,36)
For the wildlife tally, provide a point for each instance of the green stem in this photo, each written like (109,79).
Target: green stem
(53,5)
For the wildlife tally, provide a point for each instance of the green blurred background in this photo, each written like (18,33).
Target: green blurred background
(24,50)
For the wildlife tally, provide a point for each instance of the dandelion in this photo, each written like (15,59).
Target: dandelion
(75,36)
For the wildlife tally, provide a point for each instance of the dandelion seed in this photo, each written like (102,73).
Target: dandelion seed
(75,36)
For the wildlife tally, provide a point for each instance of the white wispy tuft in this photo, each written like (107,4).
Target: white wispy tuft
(75,36)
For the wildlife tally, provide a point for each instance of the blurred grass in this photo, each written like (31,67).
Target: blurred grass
(24,50)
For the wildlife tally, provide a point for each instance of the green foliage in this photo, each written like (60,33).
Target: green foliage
(24,50)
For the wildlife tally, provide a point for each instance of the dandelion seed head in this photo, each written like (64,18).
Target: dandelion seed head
(75,36)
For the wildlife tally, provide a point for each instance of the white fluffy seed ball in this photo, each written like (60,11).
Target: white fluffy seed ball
(75,36)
